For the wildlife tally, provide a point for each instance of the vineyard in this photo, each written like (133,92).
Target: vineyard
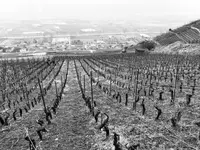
(100,102)
(188,33)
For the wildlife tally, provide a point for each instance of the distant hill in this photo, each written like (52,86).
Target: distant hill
(56,27)
(189,33)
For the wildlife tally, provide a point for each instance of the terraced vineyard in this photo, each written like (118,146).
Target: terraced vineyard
(188,33)
(100,102)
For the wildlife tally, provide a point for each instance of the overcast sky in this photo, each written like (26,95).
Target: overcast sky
(98,9)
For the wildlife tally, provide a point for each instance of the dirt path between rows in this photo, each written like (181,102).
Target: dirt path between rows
(73,118)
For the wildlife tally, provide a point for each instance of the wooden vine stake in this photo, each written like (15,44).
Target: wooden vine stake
(67,69)
(116,74)
(110,85)
(78,78)
(131,80)
(175,82)
(150,82)
(136,86)
(84,84)
(41,91)
(91,91)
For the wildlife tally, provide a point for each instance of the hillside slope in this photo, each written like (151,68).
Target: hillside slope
(179,47)
(189,33)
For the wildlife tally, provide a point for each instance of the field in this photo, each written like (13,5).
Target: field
(100,102)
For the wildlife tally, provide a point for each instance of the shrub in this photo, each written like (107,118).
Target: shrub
(150,45)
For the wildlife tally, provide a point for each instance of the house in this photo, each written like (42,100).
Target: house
(23,50)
